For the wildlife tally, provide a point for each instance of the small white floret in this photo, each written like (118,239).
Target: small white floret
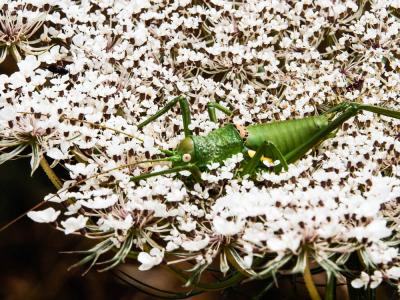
(47,215)
(360,282)
(149,260)
(73,224)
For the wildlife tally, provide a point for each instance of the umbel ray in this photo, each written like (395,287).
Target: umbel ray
(284,141)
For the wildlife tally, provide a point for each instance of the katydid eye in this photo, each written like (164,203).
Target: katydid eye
(186,157)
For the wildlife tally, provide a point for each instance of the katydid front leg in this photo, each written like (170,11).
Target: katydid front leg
(184,105)
(190,167)
(211,106)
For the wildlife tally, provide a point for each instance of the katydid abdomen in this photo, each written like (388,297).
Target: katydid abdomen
(285,135)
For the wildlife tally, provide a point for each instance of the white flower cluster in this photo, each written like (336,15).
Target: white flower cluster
(104,66)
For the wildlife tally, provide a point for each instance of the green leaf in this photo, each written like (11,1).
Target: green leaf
(366,259)
(132,254)
(236,260)
(3,55)
(329,266)
(80,157)
(54,163)
(12,154)
(273,266)
(9,143)
(300,263)
(119,256)
(92,254)
(342,259)
(36,157)
(223,263)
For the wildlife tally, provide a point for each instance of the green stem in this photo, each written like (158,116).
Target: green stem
(330,290)
(312,290)
(50,173)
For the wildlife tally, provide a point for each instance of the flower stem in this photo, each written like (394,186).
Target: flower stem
(330,290)
(50,173)
(312,290)
(15,53)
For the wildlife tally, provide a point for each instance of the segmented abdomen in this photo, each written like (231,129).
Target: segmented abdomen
(286,135)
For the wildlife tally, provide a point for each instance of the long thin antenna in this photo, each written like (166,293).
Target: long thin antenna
(64,117)
(99,126)
(21,216)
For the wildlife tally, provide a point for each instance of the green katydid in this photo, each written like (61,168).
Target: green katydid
(283,141)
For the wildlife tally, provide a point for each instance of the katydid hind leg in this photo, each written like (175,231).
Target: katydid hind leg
(337,108)
(360,106)
(379,110)
(345,111)
(278,155)
(252,164)
(329,136)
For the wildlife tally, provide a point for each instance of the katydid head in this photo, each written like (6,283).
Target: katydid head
(186,151)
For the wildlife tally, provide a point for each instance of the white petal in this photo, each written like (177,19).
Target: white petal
(17,80)
(140,35)
(100,202)
(357,283)
(150,260)
(145,258)
(28,65)
(44,216)
(276,245)
(394,272)
(56,153)
(248,261)
(195,245)
(225,227)
(73,224)
(148,142)
(375,284)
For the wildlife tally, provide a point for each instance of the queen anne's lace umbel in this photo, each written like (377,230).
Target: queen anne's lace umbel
(121,61)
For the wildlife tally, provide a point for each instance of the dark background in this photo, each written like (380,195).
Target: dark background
(31,265)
